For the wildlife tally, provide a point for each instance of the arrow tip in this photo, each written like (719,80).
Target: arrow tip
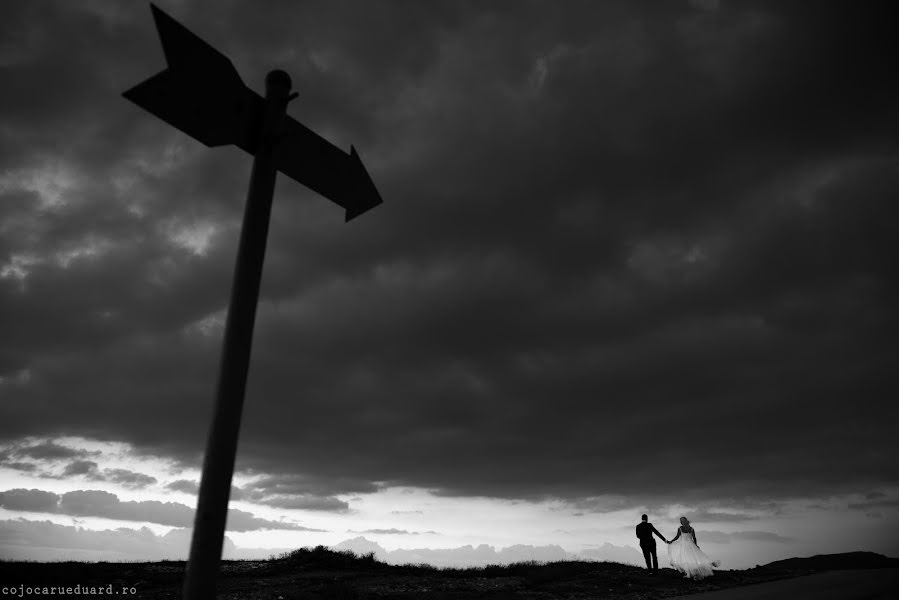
(160,17)
(367,196)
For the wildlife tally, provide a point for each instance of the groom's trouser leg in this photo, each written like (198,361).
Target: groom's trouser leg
(655,559)
(648,553)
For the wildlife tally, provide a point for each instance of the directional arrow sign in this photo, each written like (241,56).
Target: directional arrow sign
(202,94)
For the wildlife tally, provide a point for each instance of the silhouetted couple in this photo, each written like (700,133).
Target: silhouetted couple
(683,551)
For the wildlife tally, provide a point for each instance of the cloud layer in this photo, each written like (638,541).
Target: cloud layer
(98,503)
(43,540)
(624,249)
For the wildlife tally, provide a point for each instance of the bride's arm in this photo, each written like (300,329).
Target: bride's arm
(674,539)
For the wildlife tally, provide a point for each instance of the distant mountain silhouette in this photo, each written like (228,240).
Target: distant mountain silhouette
(483,554)
(835,562)
(360,545)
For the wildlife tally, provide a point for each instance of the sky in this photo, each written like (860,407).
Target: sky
(633,257)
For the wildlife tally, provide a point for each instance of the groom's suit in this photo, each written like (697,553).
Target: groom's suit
(648,544)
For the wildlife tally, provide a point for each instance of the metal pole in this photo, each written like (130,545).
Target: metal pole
(221,446)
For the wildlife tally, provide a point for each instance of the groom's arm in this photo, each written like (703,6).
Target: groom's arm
(656,531)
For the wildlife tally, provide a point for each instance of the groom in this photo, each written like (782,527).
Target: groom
(644,533)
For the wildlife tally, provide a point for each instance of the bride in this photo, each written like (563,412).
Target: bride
(685,555)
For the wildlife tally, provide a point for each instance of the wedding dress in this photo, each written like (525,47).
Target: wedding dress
(685,556)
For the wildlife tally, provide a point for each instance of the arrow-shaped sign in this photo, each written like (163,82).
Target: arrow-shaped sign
(202,94)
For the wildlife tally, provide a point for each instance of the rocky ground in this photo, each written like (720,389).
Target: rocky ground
(312,574)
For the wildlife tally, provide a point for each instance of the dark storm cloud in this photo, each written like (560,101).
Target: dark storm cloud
(626,249)
(21,466)
(82,467)
(128,479)
(90,470)
(300,492)
(304,502)
(869,504)
(7,460)
(50,451)
(184,485)
(98,503)
(29,500)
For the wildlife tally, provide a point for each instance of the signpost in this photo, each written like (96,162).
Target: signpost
(202,94)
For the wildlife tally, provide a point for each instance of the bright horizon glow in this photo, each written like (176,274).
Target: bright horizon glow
(405,518)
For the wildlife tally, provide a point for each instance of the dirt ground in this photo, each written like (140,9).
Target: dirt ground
(321,574)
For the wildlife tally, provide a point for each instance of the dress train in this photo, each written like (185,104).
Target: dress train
(686,557)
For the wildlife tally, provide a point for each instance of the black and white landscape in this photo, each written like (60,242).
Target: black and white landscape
(633,257)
